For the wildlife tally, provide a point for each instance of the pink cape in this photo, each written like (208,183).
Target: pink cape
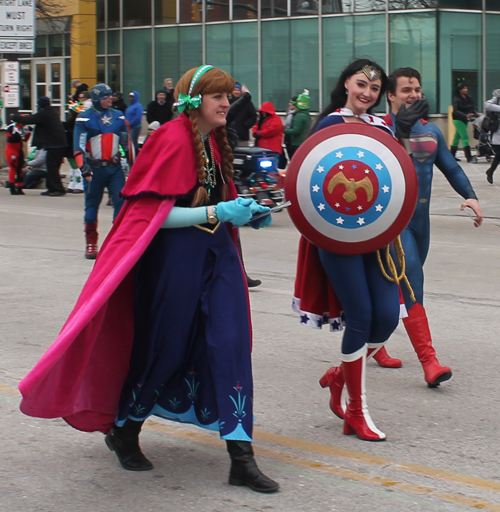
(81,375)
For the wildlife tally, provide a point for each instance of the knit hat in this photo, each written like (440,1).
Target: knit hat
(43,102)
(237,85)
(154,125)
(302,102)
(496,93)
(100,92)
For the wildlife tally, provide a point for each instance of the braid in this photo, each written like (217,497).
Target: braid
(200,196)
(226,157)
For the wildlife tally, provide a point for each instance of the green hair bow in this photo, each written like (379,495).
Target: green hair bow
(186,100)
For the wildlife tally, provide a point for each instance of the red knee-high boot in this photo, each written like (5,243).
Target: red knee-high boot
(91,239)
(417,327)
(334,379)
(385,360)
(357,419)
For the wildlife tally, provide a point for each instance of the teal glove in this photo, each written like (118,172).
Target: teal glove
(238,211)
(262,222)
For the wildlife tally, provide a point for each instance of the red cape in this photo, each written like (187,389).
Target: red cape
(81,375)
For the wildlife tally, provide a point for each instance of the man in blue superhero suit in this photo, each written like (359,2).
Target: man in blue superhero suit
(99,133)
(428,148)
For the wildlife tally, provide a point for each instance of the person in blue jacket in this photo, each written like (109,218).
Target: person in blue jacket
(428,149)
(133,115)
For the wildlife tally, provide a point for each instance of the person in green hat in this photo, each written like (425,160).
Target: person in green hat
(300,124)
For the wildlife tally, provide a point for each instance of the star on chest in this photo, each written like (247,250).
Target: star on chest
(106,120)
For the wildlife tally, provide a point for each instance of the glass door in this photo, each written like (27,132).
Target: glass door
(48,81)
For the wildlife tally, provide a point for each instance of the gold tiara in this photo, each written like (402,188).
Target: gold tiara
(371,73)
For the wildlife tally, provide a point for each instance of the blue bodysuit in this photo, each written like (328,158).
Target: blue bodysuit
(429,148)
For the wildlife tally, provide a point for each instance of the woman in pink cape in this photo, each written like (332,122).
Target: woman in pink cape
(162,326)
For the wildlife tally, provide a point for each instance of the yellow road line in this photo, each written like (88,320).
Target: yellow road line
(353,456)
(7,389)
(297,460)
(332,451)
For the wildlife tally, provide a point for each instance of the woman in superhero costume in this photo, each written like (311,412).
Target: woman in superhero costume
(163,322)
(358,286)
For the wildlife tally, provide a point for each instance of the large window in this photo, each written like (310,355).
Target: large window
(136,13)
(459,56)
(138,65)
(190,11)
(492,5)
(113,13)
(165,11)
(413,44)
(289,61)
(461,4)
(190,45)
(346,38)
(274,8)
(217,10)
(233,48)
(245,9)
(219,46)
(492,55)
(166,55)
(245,44)
(412,4)
(334,6)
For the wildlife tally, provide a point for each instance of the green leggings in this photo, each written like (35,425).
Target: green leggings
(460,133)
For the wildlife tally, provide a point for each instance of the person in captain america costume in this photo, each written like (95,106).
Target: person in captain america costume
(429,149)
(99,132)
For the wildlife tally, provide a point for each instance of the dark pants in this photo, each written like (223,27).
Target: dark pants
(496,160)
(369,300)
(54,160)
(110,177)
(32,179)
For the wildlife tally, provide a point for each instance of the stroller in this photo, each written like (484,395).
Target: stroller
(484,147)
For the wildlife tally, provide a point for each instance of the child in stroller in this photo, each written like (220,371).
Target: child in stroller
(484,147)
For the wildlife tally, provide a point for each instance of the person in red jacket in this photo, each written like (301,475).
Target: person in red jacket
(268,130)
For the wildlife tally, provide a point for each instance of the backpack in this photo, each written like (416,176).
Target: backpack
(491,122)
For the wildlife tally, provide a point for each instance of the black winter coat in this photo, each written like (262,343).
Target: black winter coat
(49,130)
(157,112)
(463,106)
(244,118)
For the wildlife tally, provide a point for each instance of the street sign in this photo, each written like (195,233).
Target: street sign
(17,45)
(11,96)
(17,19)
(10,72)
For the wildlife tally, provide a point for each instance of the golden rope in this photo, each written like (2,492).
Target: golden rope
(395,278)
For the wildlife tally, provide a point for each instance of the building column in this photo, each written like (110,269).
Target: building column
(84,43)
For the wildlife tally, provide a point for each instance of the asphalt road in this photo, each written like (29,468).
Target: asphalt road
(442,446)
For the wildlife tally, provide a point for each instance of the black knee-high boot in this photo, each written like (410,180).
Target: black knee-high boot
(469,156)
(251,283)
(124,441)
(244,470)
(453,150)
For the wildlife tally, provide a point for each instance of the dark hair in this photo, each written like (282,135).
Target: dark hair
(392,80)
(85,94)
(338,96)
(460,87)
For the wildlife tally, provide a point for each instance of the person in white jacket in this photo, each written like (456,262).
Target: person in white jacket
(494,106)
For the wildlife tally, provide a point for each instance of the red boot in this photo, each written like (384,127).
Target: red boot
(417,327)
(91,239)
(334,379)
(357,418)
(385,360)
